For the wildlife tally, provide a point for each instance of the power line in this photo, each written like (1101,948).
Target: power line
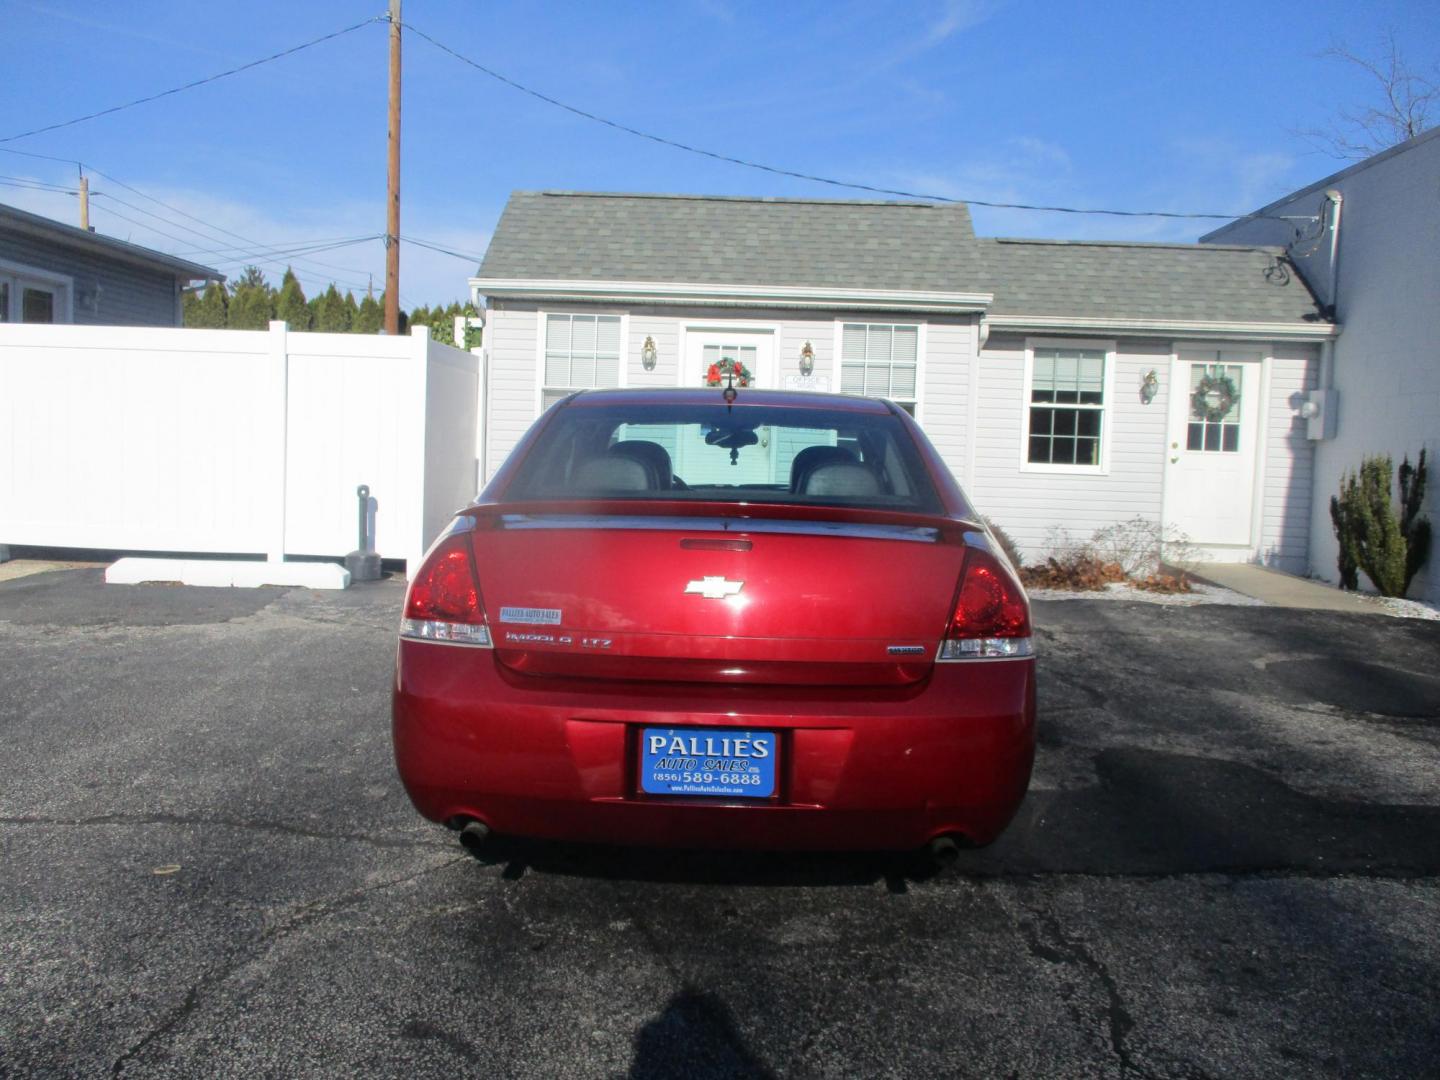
(277,253)
(256,245)
(42,157)
(210,226)
(198,82)
(790,172)
(239,249)
(35,185)
(442,250)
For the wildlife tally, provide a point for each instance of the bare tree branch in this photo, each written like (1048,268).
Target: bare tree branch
(1409,104)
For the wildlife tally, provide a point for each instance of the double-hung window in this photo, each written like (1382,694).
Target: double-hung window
(581,352)
(1065,422)
(880,360)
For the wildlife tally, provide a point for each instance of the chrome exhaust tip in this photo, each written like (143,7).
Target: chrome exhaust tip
(943,851)
(474,836)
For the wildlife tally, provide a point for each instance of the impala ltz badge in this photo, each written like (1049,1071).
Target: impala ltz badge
(714,588)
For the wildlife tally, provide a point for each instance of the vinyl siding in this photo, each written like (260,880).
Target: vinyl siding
(1286,474)
(511,396)
(512,329)
(1030,505)
(949,352)
(127,295)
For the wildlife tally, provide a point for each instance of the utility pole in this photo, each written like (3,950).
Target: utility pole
(392,209)
(84,202)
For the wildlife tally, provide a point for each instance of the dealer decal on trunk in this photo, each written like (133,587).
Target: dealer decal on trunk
(531,616)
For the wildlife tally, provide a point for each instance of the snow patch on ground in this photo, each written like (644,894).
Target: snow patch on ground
(1118,590)
(1214,594)
(1405,609)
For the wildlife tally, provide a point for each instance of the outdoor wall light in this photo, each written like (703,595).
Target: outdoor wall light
(1149,387)
(1310,410)
(649,354)
(807,358)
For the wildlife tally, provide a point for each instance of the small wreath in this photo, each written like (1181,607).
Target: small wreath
(1214,398)
(720,373)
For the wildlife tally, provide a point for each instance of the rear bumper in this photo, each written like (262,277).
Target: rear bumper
(858,768)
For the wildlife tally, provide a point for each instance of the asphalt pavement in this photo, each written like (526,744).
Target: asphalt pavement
(1227,866)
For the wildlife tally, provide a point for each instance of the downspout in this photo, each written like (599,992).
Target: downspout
(1327,348)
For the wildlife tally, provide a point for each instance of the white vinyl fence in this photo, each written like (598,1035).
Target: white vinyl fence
(236,441)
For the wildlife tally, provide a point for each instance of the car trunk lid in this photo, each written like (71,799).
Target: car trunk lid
(715,597)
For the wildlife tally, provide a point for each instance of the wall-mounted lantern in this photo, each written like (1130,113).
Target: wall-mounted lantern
(649,354)
(807,359)
(1149,387)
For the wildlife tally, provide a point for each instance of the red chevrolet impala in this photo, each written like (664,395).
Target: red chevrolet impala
(674,618)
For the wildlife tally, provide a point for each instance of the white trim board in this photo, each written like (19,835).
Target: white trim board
(788,296)
(1165,327)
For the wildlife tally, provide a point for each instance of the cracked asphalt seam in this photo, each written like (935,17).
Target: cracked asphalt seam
(142,820)
(244,955)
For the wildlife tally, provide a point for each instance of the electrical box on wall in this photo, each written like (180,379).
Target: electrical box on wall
(1319,412)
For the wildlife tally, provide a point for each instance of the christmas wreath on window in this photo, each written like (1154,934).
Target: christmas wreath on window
(1213,398)
(719,373)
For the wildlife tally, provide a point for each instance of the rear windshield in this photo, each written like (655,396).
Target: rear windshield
(709,453)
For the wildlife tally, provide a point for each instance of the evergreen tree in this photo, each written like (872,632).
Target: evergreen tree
(189,307)
(352,310)
(208,312)
(290,305)
(252,304)
(331,316)
(369,317)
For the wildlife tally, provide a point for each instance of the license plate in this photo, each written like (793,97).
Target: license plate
(727,762)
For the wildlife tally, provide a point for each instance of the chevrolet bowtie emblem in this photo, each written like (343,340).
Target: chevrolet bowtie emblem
(714,588)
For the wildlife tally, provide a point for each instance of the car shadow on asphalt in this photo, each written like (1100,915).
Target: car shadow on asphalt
(1150,813)
(896,870)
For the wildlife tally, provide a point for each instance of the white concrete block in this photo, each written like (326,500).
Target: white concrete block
(219,573)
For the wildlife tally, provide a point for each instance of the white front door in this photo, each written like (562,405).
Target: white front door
(707,350)
(1211,450)
(711,354)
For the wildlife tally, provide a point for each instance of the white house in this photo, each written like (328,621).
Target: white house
(1067,384)
(1367,241)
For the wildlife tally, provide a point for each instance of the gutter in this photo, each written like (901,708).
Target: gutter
(711,295)
(1217,329)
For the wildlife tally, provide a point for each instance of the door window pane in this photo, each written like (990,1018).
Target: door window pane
(1216,399)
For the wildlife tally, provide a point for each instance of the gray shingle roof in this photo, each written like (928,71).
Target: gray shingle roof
(1161,282)
(734,241)
(69,236)
(710,240)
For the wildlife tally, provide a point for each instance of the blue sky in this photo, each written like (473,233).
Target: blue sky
(1170,106)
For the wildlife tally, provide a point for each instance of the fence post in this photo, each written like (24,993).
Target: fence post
(280,419)
(420,376)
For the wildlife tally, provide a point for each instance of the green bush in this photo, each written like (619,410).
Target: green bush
(1389,547)
(1007,545)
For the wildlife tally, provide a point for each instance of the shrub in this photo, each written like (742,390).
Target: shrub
(1131,551)
(1007,544)
(1389,547)
(1077,571)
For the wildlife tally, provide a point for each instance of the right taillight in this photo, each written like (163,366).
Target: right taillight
(992,617)
(443,603)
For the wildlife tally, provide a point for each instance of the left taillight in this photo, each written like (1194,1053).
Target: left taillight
(443,603)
